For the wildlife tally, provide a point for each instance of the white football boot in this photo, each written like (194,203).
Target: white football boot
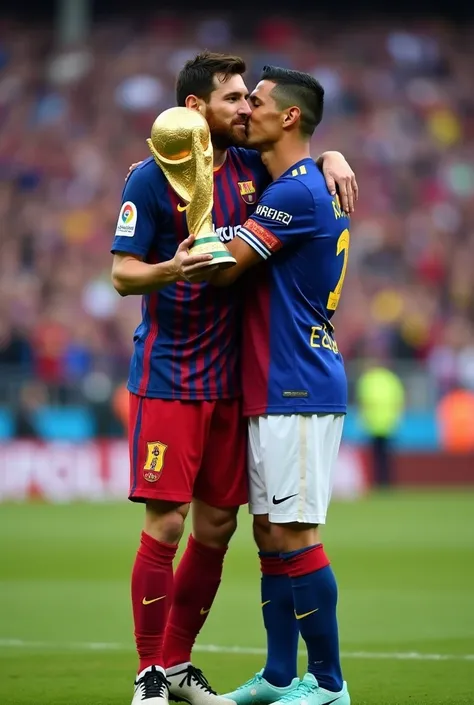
(151,687)
(187,684)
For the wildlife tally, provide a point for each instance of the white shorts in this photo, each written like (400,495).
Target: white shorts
(292,458)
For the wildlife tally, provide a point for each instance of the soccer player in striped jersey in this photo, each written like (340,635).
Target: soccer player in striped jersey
(187,436)
(294,389)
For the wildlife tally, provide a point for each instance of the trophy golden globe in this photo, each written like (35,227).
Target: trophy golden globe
(181,146)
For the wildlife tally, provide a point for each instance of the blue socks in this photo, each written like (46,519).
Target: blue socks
(314,592)
(279,620)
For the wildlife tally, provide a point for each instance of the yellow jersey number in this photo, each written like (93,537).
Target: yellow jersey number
(343,243)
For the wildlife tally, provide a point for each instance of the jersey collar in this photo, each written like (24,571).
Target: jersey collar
(307,161)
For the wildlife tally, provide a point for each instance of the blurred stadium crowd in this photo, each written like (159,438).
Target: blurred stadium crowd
(399,105)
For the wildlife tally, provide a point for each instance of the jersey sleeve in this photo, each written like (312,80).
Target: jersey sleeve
(284,216)
(138,217)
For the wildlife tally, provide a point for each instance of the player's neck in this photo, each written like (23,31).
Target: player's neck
(220,156)
(283,155)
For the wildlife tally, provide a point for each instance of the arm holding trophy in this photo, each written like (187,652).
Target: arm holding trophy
(131,275)
(182,149)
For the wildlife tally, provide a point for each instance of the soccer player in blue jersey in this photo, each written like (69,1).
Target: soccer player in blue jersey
(294,389)
(187,437)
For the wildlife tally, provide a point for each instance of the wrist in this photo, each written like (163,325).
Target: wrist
(167,272)
(328,153)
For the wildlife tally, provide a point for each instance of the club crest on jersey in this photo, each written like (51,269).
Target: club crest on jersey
(247,191)
(154,461)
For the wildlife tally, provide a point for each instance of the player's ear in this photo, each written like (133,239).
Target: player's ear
(291,116)
(195,103)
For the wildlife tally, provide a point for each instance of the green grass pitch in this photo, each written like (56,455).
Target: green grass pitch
(405,566)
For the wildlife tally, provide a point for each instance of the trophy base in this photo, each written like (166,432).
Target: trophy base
(211,245)
(221,261)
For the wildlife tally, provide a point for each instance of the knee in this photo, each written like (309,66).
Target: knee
(282,538)
(213,526)
(165,521)
(264,534)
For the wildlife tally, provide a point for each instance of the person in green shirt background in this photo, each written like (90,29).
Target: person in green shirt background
(381,402)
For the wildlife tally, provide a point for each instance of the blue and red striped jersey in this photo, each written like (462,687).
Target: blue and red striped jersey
(187,344)
(290,360)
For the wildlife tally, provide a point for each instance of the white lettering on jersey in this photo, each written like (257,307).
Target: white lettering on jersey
(228,232)
(127,220)
(273,214)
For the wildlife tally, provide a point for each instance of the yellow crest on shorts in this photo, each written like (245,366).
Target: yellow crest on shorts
(154,460)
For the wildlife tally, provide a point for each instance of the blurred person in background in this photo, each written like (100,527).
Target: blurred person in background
(455,416)
(33,398)
(184,375)
(16,353)
(121,405)
(381,402)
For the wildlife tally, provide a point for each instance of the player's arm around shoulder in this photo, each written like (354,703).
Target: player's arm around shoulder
(339,178)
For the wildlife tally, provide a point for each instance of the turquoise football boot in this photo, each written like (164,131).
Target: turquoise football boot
(308,692)
(258,691)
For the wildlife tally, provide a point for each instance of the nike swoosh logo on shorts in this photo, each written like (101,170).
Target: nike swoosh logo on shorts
(283,499)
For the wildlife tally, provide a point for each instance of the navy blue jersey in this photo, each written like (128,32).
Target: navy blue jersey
(186,346)
(290,361)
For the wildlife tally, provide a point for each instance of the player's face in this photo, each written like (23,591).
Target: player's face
(265,124)
(227,112)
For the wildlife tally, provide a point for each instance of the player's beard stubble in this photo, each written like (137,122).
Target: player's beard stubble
(224,136)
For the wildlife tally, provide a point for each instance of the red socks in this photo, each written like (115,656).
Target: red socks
(166,637)
(152,589)
(195,585)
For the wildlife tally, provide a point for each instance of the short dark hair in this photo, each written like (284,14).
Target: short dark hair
(197,75)
(297,88)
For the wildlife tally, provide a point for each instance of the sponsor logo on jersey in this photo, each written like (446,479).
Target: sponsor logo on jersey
(273,214)
(227,232)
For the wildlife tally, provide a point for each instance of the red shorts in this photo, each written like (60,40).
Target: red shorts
(185,449)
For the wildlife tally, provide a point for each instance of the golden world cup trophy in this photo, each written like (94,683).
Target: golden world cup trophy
(181,146)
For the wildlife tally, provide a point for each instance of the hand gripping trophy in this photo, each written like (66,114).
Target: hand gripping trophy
(181,146)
